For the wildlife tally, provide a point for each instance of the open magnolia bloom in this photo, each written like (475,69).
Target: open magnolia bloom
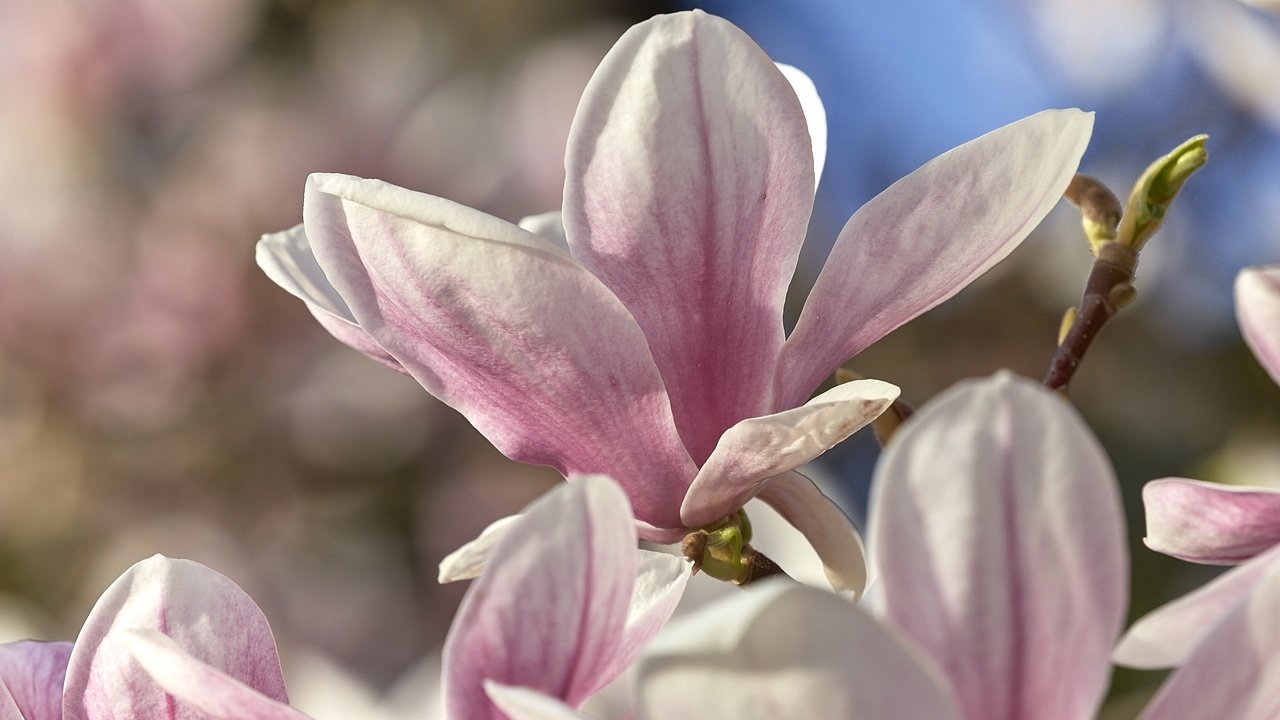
(1209,522)
(653,350)
(564,605)
(165,624)
(999,534)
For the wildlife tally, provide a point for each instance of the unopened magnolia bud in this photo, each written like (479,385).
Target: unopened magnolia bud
(1157,188)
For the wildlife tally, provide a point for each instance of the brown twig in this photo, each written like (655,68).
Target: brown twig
(1109,288)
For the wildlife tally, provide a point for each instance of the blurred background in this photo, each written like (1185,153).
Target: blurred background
(159,394)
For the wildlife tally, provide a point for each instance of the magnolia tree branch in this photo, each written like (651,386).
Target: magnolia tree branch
(1116,235)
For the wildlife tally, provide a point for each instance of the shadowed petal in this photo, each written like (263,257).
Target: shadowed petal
(529,346)
(550,227)
(837,542)
(928,236)
(549,610)
(286,258)
(33,673)
(207,615)
(689,186)
(525,704)
(998,535)
(213,694)
(660,583)
(754,450)
(783,651)
(1235,672)
(1258,310)
(9,709)
(1210,522)
(468,561)
(1166,636)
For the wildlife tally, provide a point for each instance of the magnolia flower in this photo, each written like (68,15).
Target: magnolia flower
(192,630)
(998,529)
(1209,522)
(564,605)
(653,349)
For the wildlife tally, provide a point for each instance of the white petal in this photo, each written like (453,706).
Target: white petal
(467,561)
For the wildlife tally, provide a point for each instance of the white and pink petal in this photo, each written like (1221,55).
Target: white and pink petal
(1209,522)
(998,535)
(195,686)
(33,674)
(551,610)
(824,526)
(1258,310)
(1235,672)
(286,258)
(689,188)
(783,651)
(926,237)
(1168,635)
(754,450)
(529,346)
(207,615)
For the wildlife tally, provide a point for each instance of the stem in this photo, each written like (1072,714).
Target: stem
(1109,288)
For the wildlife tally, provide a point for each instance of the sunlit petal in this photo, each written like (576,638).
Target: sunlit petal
(491,319)
(754,450)
(690,183)
(928,236)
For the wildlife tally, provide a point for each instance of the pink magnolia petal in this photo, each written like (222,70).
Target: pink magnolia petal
(33,674)
(529,346)
(1210,522)
(9,708)
(1166,636)
(660,583)
(754,450)
(689,187)
(997,530)
(207,615)
(524,704)
(549,609)
(1258,310)
(286,258)
(467,562)
(354,336)
(837,542)
(928,236)
(1235,672)
(211,693)
(784,651)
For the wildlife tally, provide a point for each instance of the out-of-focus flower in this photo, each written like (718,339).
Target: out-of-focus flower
(1213,523)
(998,527)
(193,630)
(564,605)
(656,352)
